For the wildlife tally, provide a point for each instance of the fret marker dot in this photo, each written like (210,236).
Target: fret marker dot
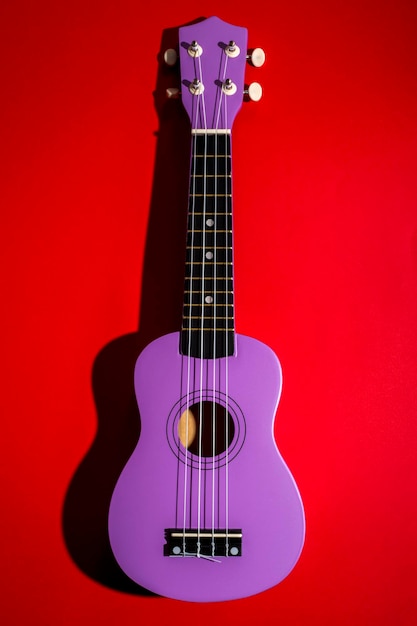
(210,222)
(208,299)
(209,255)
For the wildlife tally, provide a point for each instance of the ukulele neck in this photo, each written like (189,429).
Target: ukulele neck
(208,328)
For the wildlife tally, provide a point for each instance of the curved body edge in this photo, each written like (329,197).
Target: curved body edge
(247,487)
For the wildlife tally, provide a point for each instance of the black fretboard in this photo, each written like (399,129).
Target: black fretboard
(208,314)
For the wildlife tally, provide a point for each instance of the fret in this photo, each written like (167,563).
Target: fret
(214,166)
(223,256)
(210,240)
(211,145)
(205,315)
(196,299)
(209,254)
(223,222)
(211,330)
(222,271)
(222,250)
(210,195)
(214,247)
(216,308)
(200,303)
(209,278)
(210,204)
(209,263)
(208,318)
(209,214)
(221,321)
(208,331)
(222,306)
(221,233)
(220,309)
(211,188)
(211,184)
(218,279)
(219,270)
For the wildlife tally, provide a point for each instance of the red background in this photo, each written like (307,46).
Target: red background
(93,195)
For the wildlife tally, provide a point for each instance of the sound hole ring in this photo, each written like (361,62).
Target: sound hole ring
(206,462)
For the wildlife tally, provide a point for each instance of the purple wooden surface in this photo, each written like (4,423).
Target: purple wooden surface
(212,109)
(263,498)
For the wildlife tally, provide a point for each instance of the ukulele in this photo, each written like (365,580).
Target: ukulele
(205,508)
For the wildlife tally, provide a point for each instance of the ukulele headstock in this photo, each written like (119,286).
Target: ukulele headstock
(212,61)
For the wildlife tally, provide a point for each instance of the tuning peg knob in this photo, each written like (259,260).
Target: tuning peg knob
(170,57)
(253,92)
(256,57)
(196,88)
(173,93)
(194,50)
(229,87)
(232,49)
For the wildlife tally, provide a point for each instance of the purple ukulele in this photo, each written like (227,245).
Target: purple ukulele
(206,509)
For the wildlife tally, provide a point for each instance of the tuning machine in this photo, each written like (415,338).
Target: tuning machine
(253,92)
(170,57)
(173,93)
(232,50)
(256,57)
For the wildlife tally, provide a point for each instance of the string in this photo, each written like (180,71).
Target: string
(201,425)
(191,274)
(227,362)
(191,290)
(227,317)
(213,418)
(213,483)
(215,300)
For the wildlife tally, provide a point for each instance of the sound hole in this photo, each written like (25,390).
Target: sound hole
(206,429)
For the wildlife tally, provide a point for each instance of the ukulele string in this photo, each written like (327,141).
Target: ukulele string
(213,416)
(227,212)
(191,213)
(226,342)
(203,269)
(190,362)
(215,301)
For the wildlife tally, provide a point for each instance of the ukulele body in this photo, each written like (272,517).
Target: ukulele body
(244,489)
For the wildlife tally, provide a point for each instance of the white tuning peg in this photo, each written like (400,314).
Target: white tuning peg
(256,57)
(170,57)
(196,88)
(232,49)
(194,50)
(173,93)
(253,92)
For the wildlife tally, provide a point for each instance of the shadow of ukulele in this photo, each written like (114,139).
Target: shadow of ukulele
(86,505)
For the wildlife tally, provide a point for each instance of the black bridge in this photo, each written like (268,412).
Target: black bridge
(205,542)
